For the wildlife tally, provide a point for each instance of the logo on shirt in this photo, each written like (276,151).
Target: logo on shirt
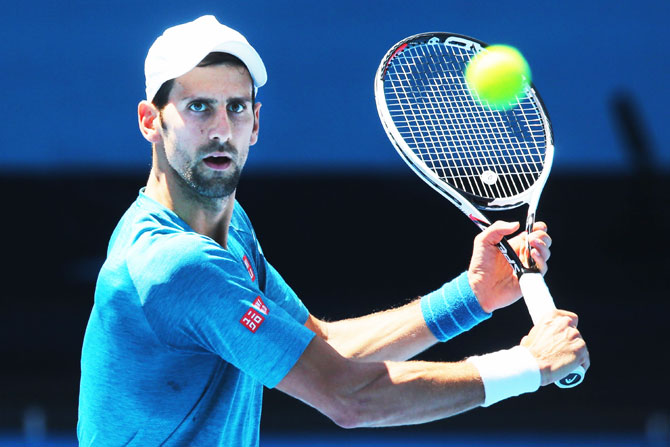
(247,264)
(254,316)
(252,320)
(260,305)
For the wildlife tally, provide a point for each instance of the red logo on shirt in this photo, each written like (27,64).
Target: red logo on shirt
(252,320)
(260,305)
(247,264)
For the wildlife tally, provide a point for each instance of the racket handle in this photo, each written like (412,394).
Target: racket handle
(536,295)
(539,303)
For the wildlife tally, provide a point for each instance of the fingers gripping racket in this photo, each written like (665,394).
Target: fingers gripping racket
(478,157)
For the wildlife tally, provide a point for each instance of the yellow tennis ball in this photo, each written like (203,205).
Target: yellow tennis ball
(498,75)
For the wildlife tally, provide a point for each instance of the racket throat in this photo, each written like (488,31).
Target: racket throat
(514,261)
(530,262)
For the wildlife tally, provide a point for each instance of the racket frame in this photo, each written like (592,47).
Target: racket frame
(536,294)
(468,203)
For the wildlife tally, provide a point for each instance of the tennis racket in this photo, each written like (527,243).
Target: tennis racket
(478,157)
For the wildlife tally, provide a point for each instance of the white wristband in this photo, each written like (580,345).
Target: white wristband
(507,373)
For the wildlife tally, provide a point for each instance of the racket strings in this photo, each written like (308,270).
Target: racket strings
(485,152)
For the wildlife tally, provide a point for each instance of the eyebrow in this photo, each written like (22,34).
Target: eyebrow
(212,101)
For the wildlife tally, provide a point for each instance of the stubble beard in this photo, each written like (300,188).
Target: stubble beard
(207,185)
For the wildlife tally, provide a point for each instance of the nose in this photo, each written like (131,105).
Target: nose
(220,128)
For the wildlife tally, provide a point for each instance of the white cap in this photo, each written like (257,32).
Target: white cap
(182,47)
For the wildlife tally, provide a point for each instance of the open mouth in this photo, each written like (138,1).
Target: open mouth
(218,162)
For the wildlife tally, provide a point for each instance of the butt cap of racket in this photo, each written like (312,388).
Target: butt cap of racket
(573,379)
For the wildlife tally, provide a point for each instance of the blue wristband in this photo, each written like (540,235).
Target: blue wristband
(452,309)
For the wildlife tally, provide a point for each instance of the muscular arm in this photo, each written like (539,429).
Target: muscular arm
(401,333)
(396,334)
(370,394)
(380,391)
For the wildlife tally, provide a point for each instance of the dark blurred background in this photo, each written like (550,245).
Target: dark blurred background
(338,213)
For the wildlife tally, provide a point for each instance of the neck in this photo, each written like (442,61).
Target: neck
(207,216)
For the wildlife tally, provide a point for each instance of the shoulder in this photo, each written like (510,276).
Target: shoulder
(172,248)
(163,253)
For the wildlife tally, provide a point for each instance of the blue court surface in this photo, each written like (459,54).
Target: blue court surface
(383,438)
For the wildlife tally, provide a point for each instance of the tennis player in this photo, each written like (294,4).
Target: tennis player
(190,321)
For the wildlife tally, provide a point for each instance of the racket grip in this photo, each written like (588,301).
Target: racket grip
(536,295)
(539,303)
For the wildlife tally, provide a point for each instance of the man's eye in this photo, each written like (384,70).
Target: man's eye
(197,107)
(236,107)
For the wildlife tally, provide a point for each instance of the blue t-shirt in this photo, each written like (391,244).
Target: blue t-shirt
(184,334)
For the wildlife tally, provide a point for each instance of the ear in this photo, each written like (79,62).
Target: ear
(147,115)
(254,131)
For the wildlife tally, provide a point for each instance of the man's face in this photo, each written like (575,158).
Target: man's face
(207,128)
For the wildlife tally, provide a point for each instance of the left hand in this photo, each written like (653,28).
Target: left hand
(490,276)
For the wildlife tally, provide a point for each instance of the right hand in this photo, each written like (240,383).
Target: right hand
(557,346)
(491,278)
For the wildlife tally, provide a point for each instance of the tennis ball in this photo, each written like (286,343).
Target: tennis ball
(498,75)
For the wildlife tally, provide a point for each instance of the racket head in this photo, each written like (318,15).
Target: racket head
(463,148)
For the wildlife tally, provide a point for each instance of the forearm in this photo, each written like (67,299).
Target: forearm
(401,333)
(373,394)
(407,393)
(396,334)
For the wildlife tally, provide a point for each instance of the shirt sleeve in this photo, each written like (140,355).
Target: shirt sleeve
(197,297)
(272,282)
(283,295)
